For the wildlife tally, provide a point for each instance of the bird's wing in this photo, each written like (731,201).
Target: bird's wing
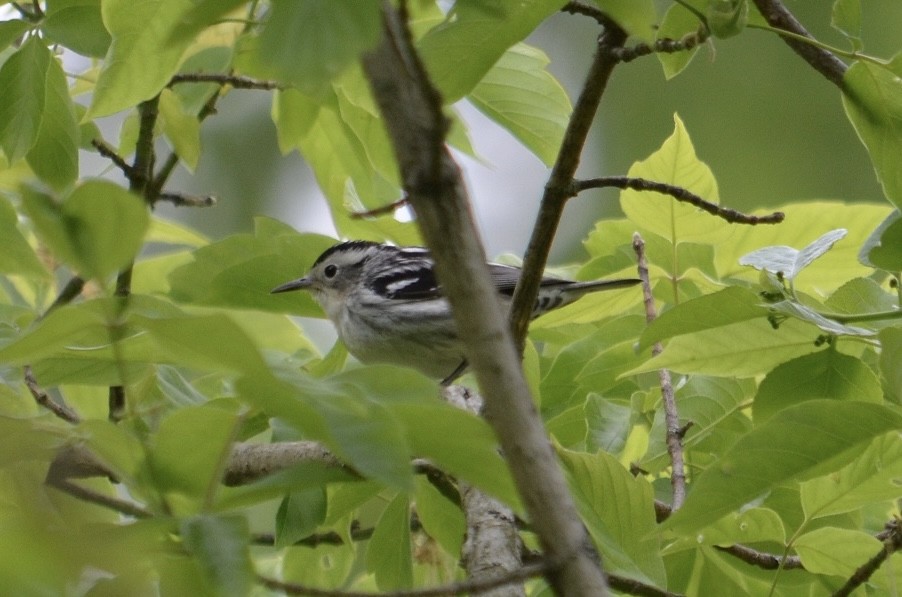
(413,282)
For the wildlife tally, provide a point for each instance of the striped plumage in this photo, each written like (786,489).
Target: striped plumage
(387,305)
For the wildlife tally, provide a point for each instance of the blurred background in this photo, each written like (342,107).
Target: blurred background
(771,128)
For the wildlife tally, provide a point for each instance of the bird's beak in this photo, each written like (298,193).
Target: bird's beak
(299,284)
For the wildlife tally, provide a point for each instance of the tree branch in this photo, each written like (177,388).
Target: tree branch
(412,114)
(463,587)
(892,542)
(824,62)
(63,411)
(236,81)
(182,200)
(560,185)
(493,546)
(678,193)
(663,46)
(674,437)
(88,495)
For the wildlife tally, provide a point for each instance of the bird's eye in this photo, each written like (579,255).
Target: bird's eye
(330,271)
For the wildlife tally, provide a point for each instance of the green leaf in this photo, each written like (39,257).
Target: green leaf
(442,519)
(738,350)
(181,128)
(206,343)
(859,296)
(837,552)
(872,98)
(609,424)
(727,306)
(188,454)
(675,163)
(714,406)
(754,525)
(618,510)
(637,17)
(803,441)
(16,255)
(325,567)
(220,546)
(846,18)
(240,270)
(827,374)
(871,478)
(678,22)
(299,514)
(789,261)
(522,96)
(23,78)
(458,442)
(54,155)
(883,248)
(307,44)
(485,31)
(142,57)
(78,25)
(12,30)
(727,18)
(98,228)
(388,554)
(890,357)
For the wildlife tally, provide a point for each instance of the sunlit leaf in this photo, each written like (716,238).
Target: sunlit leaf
(801,442)
(618,510)
(637,17)
(789,261)
(872,477)
(142,57)
(486,31)
(838,552)
(872,97)
(522,96)
(740,349)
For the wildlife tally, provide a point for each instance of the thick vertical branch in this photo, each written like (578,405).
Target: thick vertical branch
(139,176)
(493,546)
(416,126)
(560,185)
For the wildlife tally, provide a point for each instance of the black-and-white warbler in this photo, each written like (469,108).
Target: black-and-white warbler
(388,307)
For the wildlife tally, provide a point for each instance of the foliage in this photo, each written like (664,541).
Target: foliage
(783,341)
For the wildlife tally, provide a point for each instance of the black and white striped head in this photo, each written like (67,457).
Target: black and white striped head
(337,270)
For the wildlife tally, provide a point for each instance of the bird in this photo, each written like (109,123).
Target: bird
(388,307)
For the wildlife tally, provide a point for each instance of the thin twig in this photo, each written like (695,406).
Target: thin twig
(381,211)
(71,290)
(761,559)
(680,194)
(83,493)
(109,152)
(664,46)
(559,186)
(823,61)
(458,588)
(593,12)
(59,409)
(892,542)
(671,416)
(236,81)
(183,200)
